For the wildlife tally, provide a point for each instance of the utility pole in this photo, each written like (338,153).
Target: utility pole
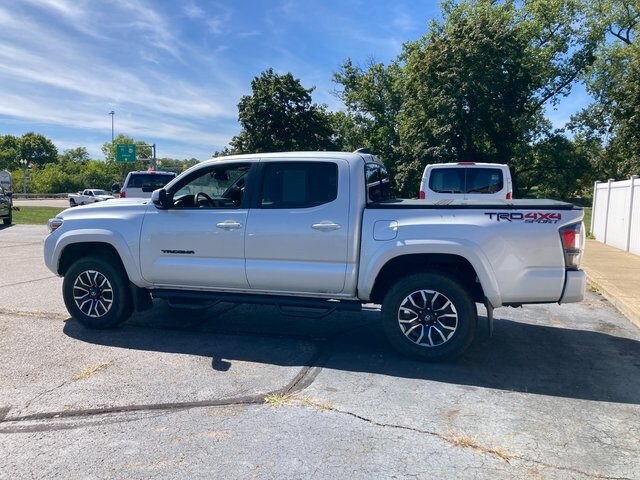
(112,113)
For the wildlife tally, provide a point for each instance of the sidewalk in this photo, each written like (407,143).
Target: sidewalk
(616,275)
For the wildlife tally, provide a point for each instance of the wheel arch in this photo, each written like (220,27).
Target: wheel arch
(75,251)
(454,266)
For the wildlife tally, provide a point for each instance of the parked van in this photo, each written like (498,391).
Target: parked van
(141,184)
(467,181)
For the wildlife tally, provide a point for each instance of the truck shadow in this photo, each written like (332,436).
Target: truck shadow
(521,357)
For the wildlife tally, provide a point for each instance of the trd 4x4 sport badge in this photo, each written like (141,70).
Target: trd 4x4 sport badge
(531,217)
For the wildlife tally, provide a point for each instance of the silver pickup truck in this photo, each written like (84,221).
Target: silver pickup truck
(317,230)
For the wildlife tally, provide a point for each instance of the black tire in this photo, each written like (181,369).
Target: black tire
(96,293)
(429,317)
(8,220)
(72,202)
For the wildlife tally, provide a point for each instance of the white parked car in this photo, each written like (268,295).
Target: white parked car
(466,181)
(89,195)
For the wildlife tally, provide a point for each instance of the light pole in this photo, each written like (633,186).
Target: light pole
(112,113)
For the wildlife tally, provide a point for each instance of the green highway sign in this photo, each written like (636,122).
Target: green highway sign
(126,152)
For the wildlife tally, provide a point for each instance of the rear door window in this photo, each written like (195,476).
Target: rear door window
(298,184)
(484,180)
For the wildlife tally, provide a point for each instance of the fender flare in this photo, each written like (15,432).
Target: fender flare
(463,248)
(109,237)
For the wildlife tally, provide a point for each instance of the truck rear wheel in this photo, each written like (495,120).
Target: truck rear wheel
(96,293)
(429,317)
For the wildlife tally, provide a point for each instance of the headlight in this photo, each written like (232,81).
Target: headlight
(54,223)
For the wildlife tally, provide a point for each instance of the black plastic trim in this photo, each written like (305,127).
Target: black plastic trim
(257,299)
(472,205)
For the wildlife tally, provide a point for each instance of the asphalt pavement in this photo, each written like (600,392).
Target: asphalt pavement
(247,392)
(250,394)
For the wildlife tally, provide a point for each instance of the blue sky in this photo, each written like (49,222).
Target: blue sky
(174,71)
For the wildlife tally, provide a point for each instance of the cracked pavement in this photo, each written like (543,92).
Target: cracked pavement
(555,393)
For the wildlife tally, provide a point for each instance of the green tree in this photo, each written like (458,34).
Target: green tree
(613,119)
(32,147)
(556,168)
(78,154)
(476,85)
(36,149)
(280,116)
(9,152)
(51,178)
(473,88)
(373,98)
(175,165)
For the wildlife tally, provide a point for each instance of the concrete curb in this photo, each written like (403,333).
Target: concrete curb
(619,303)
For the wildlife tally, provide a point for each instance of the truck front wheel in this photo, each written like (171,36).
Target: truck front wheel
(96,293)
(429,317)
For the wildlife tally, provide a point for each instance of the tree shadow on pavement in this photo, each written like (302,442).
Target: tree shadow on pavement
(520,357)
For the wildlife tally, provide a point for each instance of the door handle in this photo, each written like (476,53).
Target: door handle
(326,226)
(229,225)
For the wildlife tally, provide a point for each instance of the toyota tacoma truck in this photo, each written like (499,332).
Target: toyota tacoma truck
(317,231)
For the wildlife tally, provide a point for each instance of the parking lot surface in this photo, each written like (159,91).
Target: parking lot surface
(247,392)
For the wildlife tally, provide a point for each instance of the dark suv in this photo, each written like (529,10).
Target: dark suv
(5,206)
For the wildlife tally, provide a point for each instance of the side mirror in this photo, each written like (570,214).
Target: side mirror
(9,194)
(161,199)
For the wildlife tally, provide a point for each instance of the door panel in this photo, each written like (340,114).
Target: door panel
(199,241)
(194,248)
(297,237)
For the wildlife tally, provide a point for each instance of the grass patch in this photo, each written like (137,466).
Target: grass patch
(90,371)
(278,400)
(466,442)
(310,402)
(587,219)
(34,215)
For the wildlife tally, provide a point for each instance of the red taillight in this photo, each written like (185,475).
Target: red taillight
(421,195)
(568,238)
(466,163)
(572,238)
(123,194)
(509,195)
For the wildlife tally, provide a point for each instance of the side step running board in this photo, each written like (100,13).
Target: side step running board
(288,306)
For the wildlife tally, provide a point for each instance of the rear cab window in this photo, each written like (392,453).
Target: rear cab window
(466,180)
(378,182)
(150,181)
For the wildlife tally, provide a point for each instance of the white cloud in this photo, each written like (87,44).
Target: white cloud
(192,10)
(66,8)
(404,22)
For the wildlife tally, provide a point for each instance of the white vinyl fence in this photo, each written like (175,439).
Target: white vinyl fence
(615,218)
